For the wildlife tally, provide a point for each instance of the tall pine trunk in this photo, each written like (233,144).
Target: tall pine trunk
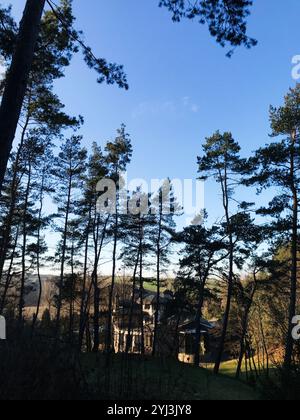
(24,249)
(84,284)
(17,79)
(245,323)
(16,179)
(63,258)
(294,258)
(198,321)
(130,321)
(95,283)
(225,192)
(38,257)
(9,275)
(158,258)
(142,304)
(112,288)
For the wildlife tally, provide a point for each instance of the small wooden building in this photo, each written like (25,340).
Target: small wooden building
(187,336)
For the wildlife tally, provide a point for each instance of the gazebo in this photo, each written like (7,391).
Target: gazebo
(187,334)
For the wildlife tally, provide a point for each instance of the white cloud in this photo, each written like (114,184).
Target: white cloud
(166,107)
(195,108)
(186,101)
(154,108)
(188,104)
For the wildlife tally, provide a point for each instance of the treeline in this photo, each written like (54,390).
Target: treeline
(50,164)
(213,259)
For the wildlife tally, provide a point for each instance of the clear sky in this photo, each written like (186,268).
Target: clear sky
(182,85)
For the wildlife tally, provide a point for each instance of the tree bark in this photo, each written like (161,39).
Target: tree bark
(17,79)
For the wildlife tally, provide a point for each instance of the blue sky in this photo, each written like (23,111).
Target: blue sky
(182,85)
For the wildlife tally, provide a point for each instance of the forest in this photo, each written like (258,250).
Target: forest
(106,304)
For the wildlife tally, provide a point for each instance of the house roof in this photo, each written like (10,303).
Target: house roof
(190,326)
(151,298)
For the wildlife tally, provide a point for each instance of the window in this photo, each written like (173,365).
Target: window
(189,344)
(137,344)
(149,340)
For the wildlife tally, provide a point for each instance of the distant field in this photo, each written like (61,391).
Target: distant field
(150,284)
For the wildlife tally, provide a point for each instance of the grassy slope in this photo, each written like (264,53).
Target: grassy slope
(229,368)
(165,380)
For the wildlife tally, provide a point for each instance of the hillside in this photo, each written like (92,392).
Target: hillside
(164,379)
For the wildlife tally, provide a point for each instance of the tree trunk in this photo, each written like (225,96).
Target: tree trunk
(96,323)
(226,318)
(142,304)
(84,284)
(35,316)
(17,79)
(264,342)
(63,258)
(294,250)
(156,317)
(22,288)
(72,296)
(14,193)
(113,280)
(245,323)
(9,274)
(198,323)
(230,273)
(128,340)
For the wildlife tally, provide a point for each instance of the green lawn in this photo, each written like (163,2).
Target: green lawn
(162,380)
(229,368)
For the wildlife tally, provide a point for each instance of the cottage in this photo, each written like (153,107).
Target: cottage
(127,323)
(187,335)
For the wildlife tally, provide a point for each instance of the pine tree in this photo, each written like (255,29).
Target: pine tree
(278,165)
(119,154)
(94,239)
(164,208)
(25,61)
(204,250)
(137,227)
(69,171)
(42,110)
(226,19)
(17,79)
(221,161)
